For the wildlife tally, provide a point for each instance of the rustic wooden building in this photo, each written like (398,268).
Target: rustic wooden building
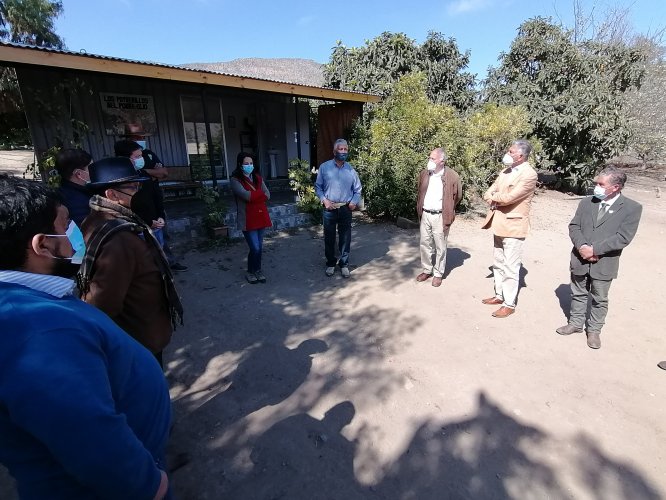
(191,117)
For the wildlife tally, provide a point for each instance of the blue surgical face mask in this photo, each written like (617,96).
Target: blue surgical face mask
(75,237)
(142,144)
(599,192)
(248,169)
(139,163)
(341,156)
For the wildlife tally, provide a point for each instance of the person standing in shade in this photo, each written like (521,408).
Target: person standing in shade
(85,408)
(125,272)
(510,200)
(439,193)
(150,200)
(251,194)
(72,166)
(339,189)
(604,224)
(152,164)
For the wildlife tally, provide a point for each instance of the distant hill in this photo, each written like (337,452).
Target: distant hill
(299,71)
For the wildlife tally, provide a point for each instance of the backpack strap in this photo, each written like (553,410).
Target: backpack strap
(97,240)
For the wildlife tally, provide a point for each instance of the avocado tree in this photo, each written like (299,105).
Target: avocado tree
(407,125)
(575,93)
(379,64)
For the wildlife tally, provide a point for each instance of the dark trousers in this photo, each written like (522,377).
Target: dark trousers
(171,258)
(339,219)
(584,288)
(255,241)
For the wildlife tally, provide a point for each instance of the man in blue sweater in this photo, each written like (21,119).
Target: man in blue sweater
(84,408)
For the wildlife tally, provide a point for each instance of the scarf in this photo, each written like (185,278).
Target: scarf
(126,220)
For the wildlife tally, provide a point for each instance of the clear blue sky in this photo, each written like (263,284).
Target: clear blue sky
(182,31)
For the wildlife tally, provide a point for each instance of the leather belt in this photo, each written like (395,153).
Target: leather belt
(434,212)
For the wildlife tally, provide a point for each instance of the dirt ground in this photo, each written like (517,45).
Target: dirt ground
(380,387)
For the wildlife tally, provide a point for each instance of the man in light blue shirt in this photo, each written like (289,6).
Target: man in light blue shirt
(339,189)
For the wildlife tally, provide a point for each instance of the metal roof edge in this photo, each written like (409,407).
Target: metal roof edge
(42,56)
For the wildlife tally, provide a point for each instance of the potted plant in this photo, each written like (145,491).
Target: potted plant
(215,212)
(301,182)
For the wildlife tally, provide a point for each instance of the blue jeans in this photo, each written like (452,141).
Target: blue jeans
(339,218)
(159,236)
(255,240)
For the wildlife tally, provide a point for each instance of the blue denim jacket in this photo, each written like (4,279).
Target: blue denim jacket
(338,184)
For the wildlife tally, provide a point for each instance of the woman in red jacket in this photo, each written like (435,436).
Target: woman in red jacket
(251,193)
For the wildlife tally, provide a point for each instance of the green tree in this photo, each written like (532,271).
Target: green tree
(29,22)
(390,151)
(574,92)
(379,64)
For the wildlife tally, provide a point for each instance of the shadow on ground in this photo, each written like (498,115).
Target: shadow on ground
(488,456)
(245,391)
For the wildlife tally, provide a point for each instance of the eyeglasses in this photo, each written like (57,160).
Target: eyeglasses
(132,188)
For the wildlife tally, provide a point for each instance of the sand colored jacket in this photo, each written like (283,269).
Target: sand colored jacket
(510,197)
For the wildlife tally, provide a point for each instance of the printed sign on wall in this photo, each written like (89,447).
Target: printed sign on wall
(128,114)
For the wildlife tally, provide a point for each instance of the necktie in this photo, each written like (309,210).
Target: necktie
(602,211)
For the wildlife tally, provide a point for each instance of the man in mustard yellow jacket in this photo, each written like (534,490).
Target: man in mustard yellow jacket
(510,198)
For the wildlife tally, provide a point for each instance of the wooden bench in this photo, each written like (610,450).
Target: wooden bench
(179,184)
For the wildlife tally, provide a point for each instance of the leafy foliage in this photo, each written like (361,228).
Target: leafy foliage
(13,130)
(574,92)
(300,180)
(407,125)
(30,22)
(378,65)
(490,131)
(215,207)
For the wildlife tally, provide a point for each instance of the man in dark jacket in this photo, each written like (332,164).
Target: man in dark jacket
(439,193)
(72,165)
(148,203)
(125,272)
(603,225)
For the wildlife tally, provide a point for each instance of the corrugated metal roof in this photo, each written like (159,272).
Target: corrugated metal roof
(83,53)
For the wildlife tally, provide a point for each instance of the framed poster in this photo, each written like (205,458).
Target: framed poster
(128,114)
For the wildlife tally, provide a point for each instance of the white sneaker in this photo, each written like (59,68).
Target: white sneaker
(330,271)
(346,273)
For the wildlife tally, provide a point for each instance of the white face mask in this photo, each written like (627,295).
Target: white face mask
(432,165)
(599,192)
(507,159)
